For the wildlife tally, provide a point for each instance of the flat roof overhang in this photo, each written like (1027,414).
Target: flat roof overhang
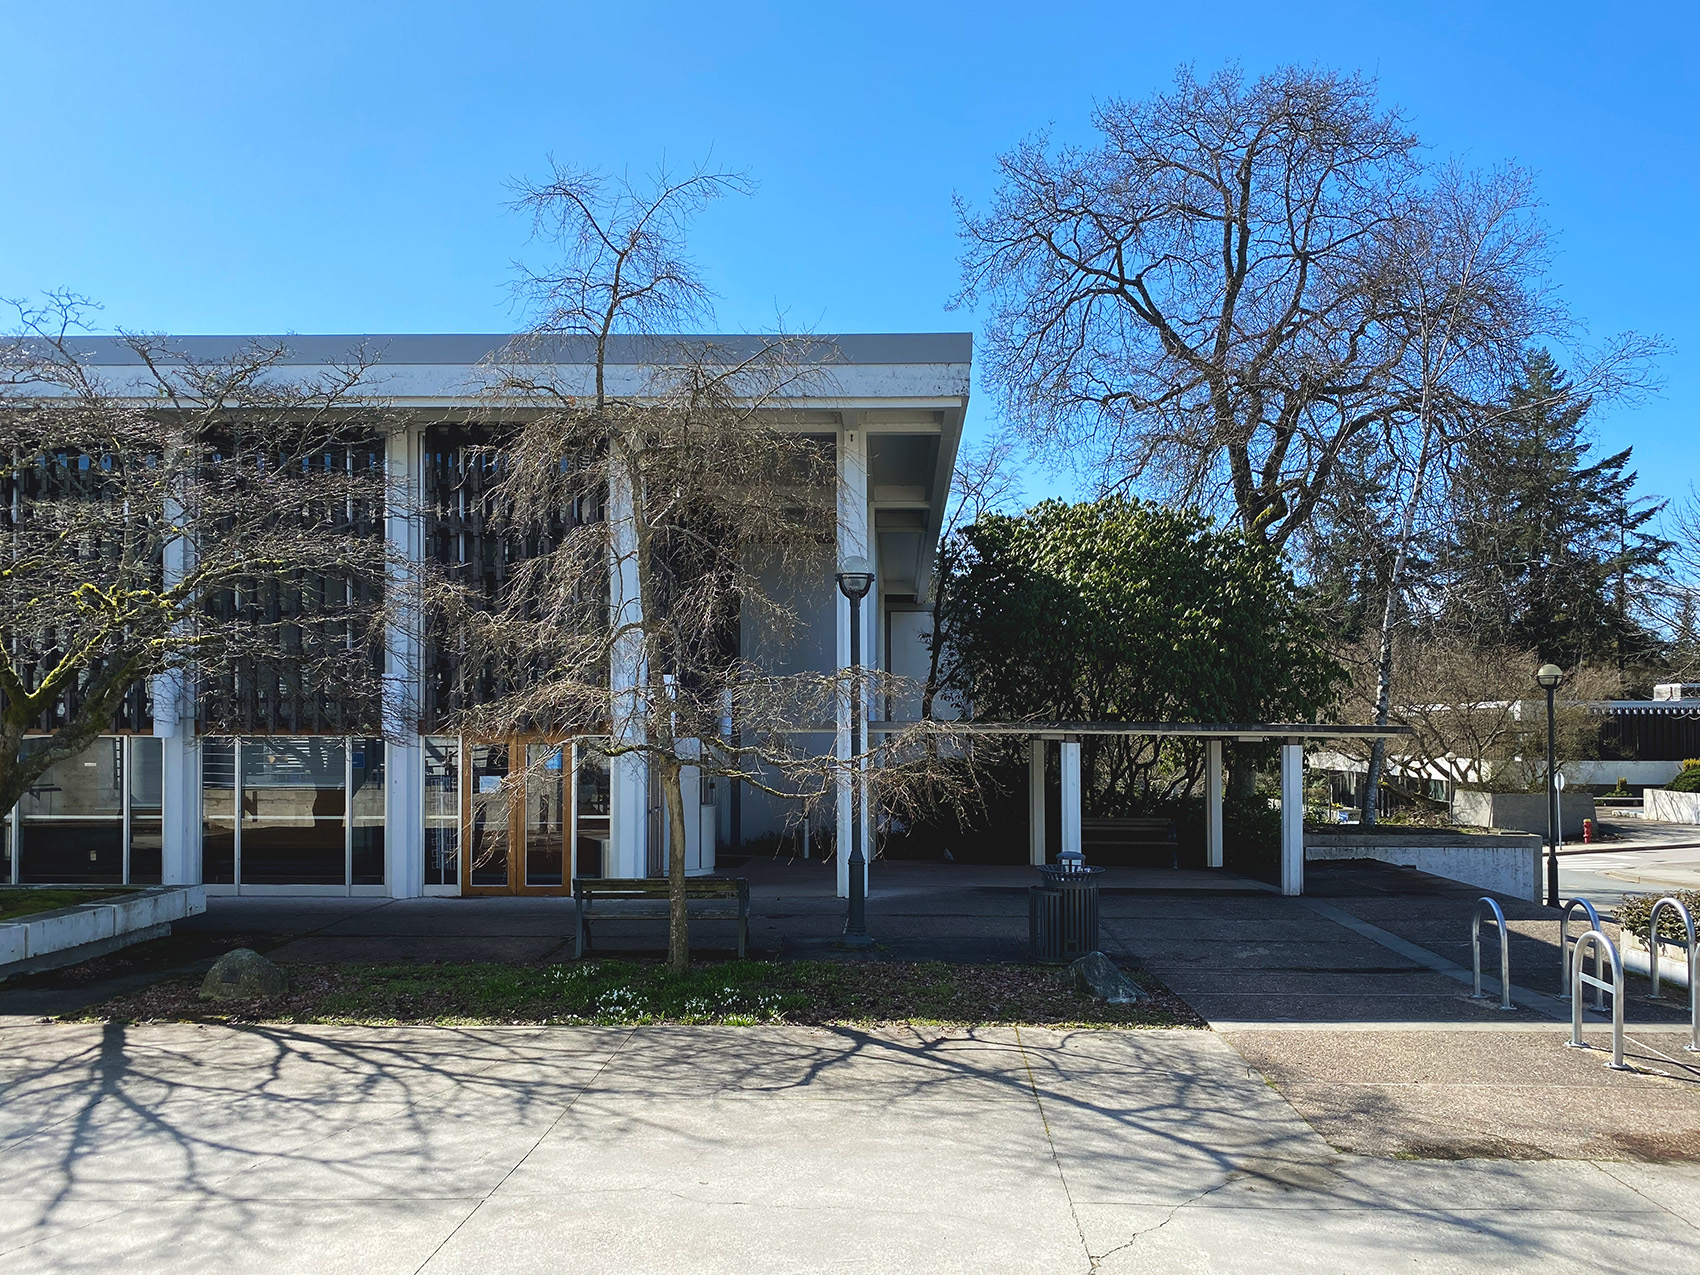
(1245,732)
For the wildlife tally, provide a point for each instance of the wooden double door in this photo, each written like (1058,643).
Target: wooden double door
(520,826)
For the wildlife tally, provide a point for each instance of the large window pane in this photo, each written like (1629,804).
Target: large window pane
(73,817)
(294,803)
(545,813)
(147,756)
(366,811)
(592,796)
(218,811)
(442,811)
(487,836)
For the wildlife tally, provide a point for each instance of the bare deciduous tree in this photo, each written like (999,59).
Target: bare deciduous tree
(1200,299)
(669,518)
(217,525)
(1470,707)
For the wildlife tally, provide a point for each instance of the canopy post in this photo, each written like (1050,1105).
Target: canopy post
(1213,804)
(1036,802)
(1071,796)
(1292,819)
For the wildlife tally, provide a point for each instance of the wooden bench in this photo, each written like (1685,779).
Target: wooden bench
(1141,831)
(728,899)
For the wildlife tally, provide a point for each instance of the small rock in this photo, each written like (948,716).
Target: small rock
(1096,975)
(242,975)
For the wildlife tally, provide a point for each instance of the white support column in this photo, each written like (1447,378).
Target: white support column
(628,814)
(180,754)
(1071,796)
(180,809)
(852,542)
(1036,803)
(1292,819)
(404,761)
(1213,804)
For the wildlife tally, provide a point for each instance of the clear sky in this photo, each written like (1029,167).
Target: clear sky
(340,167)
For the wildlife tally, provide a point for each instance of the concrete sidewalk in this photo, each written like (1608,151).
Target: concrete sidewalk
(184,1149)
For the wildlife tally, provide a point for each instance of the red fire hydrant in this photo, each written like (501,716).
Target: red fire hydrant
(1587,831)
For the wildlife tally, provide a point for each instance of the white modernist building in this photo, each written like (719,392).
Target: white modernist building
(412,813)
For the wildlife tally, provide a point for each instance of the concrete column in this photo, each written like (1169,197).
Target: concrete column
(1036,803)
(628,815)
(1213,804)
(180,809)
(853,541)
(1070,795)
(404,762)
(174,725)
(1292,819)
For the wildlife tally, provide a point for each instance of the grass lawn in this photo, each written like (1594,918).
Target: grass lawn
(17,901)
(611,992)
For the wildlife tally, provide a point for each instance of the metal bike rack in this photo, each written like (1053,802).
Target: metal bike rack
(1504,951)
(1570,905)
(1681,910)
(1604,945)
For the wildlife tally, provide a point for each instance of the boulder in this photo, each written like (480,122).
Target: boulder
(242,975)
(1096,975)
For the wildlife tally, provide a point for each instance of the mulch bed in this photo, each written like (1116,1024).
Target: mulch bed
(610,992)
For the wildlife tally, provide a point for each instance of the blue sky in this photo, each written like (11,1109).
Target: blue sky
(341,167)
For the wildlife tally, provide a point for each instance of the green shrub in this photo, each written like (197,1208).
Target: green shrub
(1687,781)
(1636,909)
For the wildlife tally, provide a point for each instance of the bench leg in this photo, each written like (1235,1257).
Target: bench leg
(743,935)
(582,930)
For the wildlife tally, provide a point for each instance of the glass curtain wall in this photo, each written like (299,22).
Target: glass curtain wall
(292,810)
(93,818)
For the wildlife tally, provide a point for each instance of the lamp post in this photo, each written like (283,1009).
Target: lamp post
(1548,676)
(855,578)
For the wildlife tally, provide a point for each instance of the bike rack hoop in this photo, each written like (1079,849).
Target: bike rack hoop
(1570,906)
(1483,904)
(1677,906)
(1602,946)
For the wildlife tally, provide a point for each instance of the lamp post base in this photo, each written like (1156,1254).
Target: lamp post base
(857,942)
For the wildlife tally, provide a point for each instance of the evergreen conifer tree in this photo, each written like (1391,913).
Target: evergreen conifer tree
(1549,549)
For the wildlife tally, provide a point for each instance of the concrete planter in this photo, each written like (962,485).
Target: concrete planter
(1505,863)
(1670,807)
(1673,960)
(1522,811)
(64,936)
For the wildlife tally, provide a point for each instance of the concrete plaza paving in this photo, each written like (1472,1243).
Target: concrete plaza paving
(185,1148)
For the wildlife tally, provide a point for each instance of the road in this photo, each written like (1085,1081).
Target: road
(1635,858)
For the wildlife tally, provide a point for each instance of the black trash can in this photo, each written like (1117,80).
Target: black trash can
(1062,913)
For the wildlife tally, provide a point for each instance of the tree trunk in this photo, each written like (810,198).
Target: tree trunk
(1242,776)
(678,918)
(1389,618)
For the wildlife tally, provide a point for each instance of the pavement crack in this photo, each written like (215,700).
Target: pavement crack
(1658,1204)
(1051,1142)
(530,1151)
(1098,1258)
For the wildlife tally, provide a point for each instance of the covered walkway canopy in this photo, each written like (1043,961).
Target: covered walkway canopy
(1290,735)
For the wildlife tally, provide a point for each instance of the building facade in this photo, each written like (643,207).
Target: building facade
(404,812)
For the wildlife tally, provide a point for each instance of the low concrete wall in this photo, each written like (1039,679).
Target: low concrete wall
(1673,959)
(1505,863)
(1670,807)
(46,940)
(1522,811)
